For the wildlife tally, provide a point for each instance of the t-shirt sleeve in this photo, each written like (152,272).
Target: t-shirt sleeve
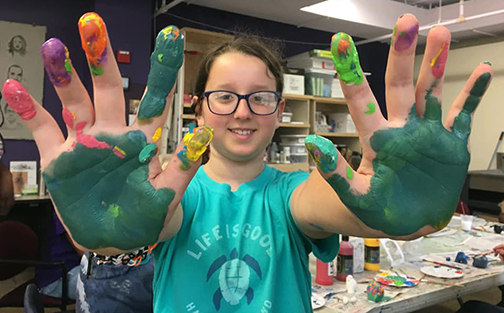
(324,249)
(58,226)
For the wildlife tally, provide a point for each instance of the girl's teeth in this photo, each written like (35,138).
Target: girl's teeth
(242,132)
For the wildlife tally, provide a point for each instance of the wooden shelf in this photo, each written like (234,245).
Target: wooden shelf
(290,167)
(187,105)
(296,97)
(290,125)
(348,135)
(188,116)
(340,101)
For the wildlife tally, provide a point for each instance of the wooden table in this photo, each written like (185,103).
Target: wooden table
(424,295)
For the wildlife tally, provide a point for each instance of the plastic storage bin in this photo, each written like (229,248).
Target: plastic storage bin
(299,157)
(286,117)
(292,139)
(318,82)
(295,147)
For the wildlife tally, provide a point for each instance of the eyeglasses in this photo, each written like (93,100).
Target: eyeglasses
(223,102)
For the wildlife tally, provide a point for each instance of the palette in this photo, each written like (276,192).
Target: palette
(395,280)
(442,271)
(317,301)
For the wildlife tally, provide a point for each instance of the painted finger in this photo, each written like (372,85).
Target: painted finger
(187,158)
(76,103)
(429,86)
(361,102)
(45,131)
(461,112)
(166,60)
(399,89)
(332,166)
(108,90)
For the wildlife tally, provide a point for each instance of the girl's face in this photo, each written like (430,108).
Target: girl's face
(17,43)
(243,74)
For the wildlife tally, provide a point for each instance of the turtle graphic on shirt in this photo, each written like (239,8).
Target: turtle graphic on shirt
(234,278)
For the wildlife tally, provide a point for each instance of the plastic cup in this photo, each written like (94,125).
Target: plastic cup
(466,222)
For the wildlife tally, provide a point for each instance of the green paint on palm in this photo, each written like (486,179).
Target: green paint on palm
(349,172)
(163,73)
(323,152)
(371,109)
(106,200)
(114,210)
(419,170)
(346,59)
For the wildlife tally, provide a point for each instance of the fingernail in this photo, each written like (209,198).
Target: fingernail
(488,63)
(323,152)
(346,59)
(56,62)
(438,63)
(404,39)
(94,41)
(18,99)
(169,47)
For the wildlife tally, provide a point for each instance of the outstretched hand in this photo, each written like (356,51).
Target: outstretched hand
(105,179)
(413,165)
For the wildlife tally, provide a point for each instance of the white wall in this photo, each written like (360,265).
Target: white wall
(488,122)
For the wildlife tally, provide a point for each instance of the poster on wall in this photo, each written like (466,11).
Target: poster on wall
(20,60)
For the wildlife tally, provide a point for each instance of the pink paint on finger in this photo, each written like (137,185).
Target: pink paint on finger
(68,117)
(438,63)
(89,141)
(19,99)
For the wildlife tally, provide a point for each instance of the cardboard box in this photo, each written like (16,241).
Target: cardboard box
(294,84)
(336,91)
(343,123)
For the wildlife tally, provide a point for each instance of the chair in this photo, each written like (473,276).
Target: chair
(19,252)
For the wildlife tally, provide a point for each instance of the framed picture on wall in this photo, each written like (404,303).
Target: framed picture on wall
(20,60)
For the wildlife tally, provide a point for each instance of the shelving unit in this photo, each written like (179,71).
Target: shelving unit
(196,43)
(333,105)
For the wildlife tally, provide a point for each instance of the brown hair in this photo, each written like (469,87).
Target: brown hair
(268,52)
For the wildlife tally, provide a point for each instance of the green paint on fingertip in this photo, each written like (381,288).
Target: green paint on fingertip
(462,122)
(95,190)
(487,63)
(371,108)
(349,172)
(323,152)
(163,73)
(68,67)
(346,59)
(147,153)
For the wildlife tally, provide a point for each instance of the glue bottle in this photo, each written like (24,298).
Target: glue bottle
(372,254)
(325,272)
(345,259)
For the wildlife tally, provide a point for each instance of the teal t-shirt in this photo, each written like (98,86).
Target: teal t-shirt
(238,251)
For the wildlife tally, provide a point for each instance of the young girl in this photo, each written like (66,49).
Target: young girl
(234,234)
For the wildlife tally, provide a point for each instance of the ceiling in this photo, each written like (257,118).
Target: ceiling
(374,18)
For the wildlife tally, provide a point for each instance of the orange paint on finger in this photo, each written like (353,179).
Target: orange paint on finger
(94,40)
(19,99)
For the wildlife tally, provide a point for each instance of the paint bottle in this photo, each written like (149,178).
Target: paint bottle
(372,254)
(325,272)
(345,259)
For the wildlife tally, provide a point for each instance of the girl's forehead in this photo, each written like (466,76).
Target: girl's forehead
(236,67)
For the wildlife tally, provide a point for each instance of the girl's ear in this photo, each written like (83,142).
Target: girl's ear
(281,107)
(198,110)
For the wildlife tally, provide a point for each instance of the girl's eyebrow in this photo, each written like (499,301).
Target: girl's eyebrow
(232,87)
